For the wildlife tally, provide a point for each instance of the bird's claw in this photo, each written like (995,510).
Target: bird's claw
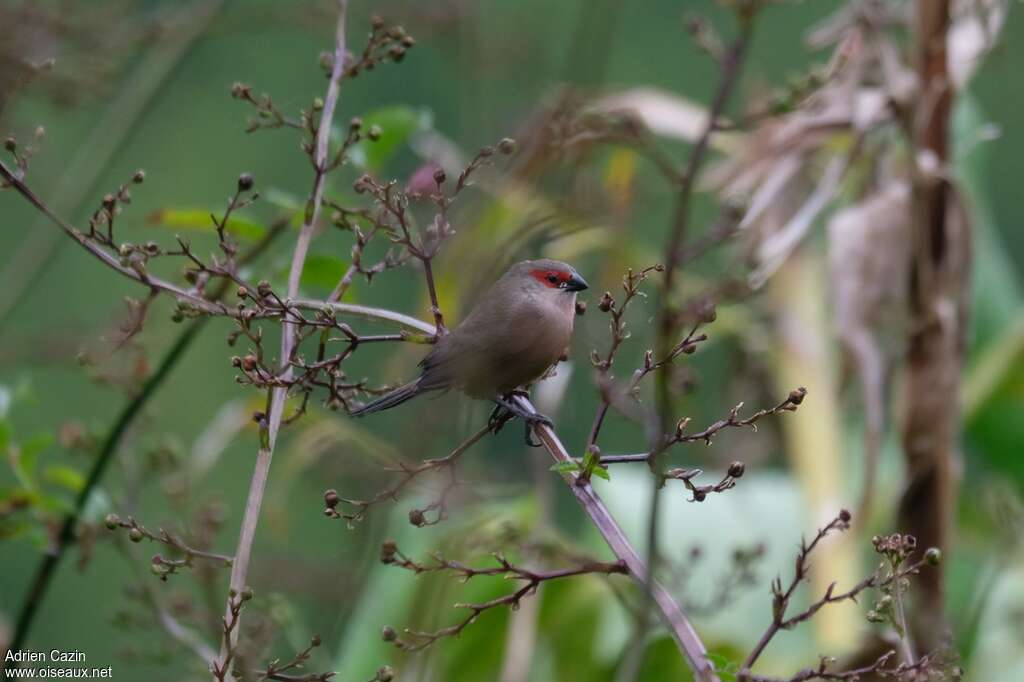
(533,421)
(506,409)
(500,416)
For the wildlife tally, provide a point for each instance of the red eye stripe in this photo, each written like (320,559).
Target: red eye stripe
(550,278)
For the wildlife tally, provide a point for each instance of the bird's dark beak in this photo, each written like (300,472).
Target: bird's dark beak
(576,283)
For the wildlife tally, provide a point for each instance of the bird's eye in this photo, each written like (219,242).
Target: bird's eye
(553,278)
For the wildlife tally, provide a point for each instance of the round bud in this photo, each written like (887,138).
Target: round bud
(507,145)
(245,182)
(933,556)
(135,535)
(606,302)
(112,521)
(315,640)
(440,176)
(355,124)
(388,548)
(385,674)
(318,104)
(417,518)
(845,515)
(736,469)
(10,144)
(331,498)
(374,133)
(796,396)
(487,151)
(581,307)
(388,634)
(246,594)
(699,495)
(139,177)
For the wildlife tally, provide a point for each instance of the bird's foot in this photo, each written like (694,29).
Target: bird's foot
(500,416)
(507,408)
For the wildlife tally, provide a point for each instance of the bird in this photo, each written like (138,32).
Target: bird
(517,330)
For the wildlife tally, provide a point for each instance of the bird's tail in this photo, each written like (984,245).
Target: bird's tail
(392,399)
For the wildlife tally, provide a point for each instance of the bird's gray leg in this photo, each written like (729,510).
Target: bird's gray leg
(530,419)
(499,417)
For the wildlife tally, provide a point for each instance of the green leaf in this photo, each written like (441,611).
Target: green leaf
(64,476)
(565,467)
(601,472)
(397,123)
(282,199)
(5,435)
(323,272)
(202,219)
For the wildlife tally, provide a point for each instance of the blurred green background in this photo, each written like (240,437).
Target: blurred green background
(479,71)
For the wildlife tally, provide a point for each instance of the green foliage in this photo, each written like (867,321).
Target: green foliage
(396,124)
(42,490)
(198,219)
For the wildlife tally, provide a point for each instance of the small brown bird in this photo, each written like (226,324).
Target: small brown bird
(518,329)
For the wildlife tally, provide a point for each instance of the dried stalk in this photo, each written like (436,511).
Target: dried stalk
(278,394)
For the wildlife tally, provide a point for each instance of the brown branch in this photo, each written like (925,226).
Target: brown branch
(896,549)
(790,404)
(137,532)
(391,555)
(408,475)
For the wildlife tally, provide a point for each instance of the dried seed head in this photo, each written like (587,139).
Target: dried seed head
(388,549)
(507,145)
(707,313)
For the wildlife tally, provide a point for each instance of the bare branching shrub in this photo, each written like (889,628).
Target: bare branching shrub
(297,352)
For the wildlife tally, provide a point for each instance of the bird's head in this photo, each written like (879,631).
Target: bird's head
(548,276)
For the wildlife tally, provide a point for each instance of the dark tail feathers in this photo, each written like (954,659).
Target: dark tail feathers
(392,399)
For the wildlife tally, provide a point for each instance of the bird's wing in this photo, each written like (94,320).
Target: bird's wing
(491,345)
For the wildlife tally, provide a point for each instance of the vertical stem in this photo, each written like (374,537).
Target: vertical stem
(939,261)
(278,395)
(667,317)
